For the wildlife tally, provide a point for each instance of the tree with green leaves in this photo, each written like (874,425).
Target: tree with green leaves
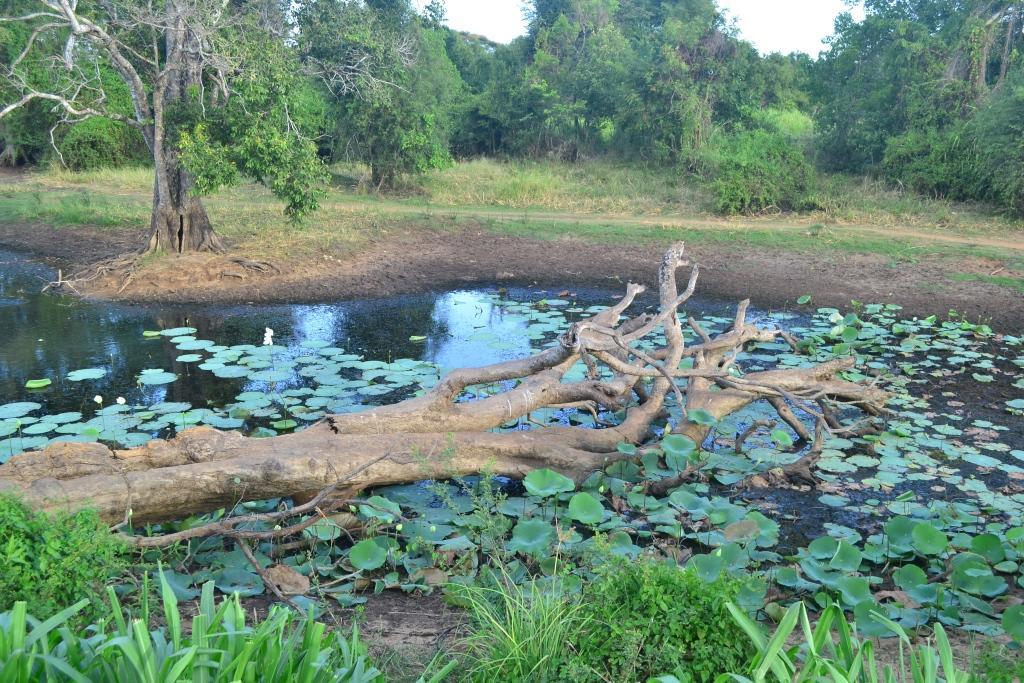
(199,76)
(397,120)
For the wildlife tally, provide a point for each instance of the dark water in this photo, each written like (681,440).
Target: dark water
(46,335)
(49,335)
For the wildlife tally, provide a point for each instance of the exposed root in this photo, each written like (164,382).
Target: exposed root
(123,266)
(258,266)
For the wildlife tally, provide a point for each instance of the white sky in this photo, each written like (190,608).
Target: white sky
(771,25)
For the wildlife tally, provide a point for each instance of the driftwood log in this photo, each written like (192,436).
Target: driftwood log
(441,433)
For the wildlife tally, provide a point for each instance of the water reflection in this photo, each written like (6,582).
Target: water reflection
(49,335)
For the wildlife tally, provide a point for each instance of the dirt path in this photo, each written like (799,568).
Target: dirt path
(412,260)
(796,224)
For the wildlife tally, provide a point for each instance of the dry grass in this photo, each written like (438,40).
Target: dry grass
(601,201)
(593,187)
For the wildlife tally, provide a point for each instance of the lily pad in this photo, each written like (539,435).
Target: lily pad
(585,508)
(545,482)
(87,373)
(532,537)
(928,540)
(367,555)
(14,410)
(156,377)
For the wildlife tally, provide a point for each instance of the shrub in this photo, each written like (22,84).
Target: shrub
(642,619)
(755,170)
(52,561)
(101,143)
(930,162)
(998,664)
(998,131)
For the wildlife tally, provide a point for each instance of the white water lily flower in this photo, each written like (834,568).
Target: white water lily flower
(98,399)
(121,401)
(268,337)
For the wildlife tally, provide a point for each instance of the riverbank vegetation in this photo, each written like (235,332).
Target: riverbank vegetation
(668,90)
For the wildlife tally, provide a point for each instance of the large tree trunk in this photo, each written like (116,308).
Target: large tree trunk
(179,223)
(442,434)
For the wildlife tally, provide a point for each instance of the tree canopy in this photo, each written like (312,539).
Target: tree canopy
(924,93)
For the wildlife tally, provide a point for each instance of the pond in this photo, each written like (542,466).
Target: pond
(950,454)
(90,348)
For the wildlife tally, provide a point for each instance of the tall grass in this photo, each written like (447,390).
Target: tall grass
(840,656)
(221,647)
(590,187)
(855,199)
(518,632)
(117,180)
(72,208)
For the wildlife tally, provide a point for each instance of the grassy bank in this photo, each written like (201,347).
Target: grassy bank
(601,202)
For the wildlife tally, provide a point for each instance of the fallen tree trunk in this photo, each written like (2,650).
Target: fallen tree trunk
(440,435)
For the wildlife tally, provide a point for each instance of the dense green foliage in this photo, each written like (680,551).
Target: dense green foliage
(396,118)
(645,618)
(220,144)
(998,664)
(757,170)
(927,93)
(220,646)
(99,143)
(923,93)
(50,562)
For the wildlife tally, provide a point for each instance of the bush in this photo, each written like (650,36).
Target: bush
(50,562)
(642,619)
(998,132)
(998,664)
(930,162)
(755,170)
(101,143)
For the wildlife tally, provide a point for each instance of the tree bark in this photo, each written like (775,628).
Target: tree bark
(442,434)
(179,223)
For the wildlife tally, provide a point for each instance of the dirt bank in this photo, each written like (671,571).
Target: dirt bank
(423,260)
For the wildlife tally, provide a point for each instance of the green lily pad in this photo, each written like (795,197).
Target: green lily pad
(585,508)
(15,410)
(847,558)
(367,555)
(532,537)
(928,540)
(545,482)
(87,373)
(156,377)
(178,331)
(38,383)
(237,580)
(701,417)
(1013,622)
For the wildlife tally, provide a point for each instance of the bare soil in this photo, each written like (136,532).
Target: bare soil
(426,260)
